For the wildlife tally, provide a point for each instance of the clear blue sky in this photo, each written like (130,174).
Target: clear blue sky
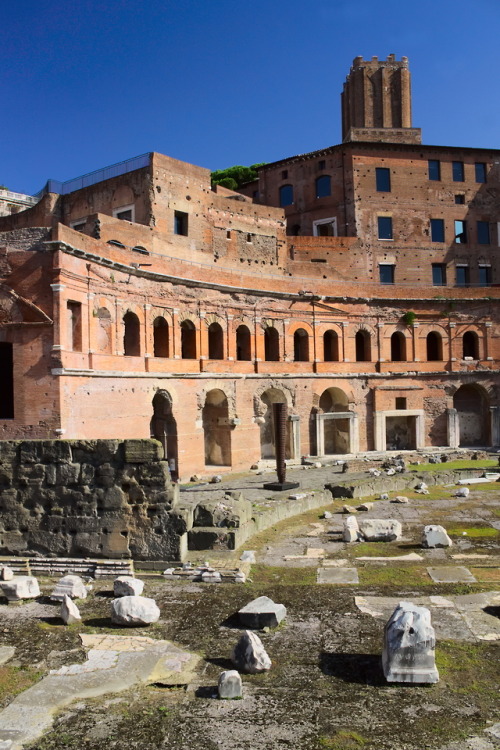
(87,83)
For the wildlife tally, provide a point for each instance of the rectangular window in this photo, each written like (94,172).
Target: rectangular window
(457,170)
(484,275)
(383,179)
(286,195)
(384,227)
(180,223)
(386,272)
(439,274)
(460,200)
(6,380)
(79,225)
(322,164)
(483,233)
(400,402)
(480,168)
(125,213)
(437,230)
(460,232)
(462,275)
(434,169)
(74,326)
(284,174)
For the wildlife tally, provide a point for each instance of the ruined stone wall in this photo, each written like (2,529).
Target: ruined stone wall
(88,498)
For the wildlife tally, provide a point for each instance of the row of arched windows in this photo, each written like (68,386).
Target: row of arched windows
(322,186)
(301,349)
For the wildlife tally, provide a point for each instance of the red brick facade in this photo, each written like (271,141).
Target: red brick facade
(358,303)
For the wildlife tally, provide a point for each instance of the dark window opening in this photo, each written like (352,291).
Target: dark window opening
(180,223)
(132,335)
(460,199)
(400,402)
(398,347)
(286,195)
(483,233)
(484,275)
(384,227)
(462,275)
(437,230)
(386,273)
(480,169)
(188,340)
(116,243)
(243,346)
(74,326)
(296,230)
(124,215)
(439,274)
(215,341)
(434,166)
(284,174)
(460,232)
(434,347)
(160,338)
(6,381)
(271,344)
(330,346)
(323,186)
(322,164)
(470,345)
(300,346)
(457,169)
(383,179)
(325,229)
(79,227)
(363,346)
(140,249)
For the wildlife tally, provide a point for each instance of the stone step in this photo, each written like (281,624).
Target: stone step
(63,566)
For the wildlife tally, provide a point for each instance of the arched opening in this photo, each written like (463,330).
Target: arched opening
(132,335)
(336,430)
(330,346)
(472,405)
(434,347)
(398,347)
(267,438)
(271,344)
(104,331)
(243,346)
(216,429)
(301,345)
(215,341)
(470,345)
(164,429)
(363,346)
(160,338)
(6,380)
(188,340)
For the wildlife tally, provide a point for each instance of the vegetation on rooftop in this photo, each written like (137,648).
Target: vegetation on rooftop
(234,177)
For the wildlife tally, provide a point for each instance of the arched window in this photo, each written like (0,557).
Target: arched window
(132,335)
(6,381)
(330,346)
(286,195)
(215,341)
(188,340)
(300,346)
(363,347)
(398,347)
(160,338)
(243,347)
(434,347)
(323,186)
(271,344)
(470,345)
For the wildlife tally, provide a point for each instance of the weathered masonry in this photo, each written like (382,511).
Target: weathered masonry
(358,284)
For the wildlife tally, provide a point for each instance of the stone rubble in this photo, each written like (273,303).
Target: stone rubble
(6,573)
(462,492)
(230,686)
(134,611)
(19,588)
(435,536)
(401,499)
(71,586)
(249,655)
(409,642)
(127,586)
(262,613)
(69,611)
(380,530)
(351,529)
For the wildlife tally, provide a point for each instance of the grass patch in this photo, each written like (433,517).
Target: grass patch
(13,680)
(474,532)
(469,668)
(379,549)
(488,575)
(343,740)
(486,463)
(388,575)
(266,574)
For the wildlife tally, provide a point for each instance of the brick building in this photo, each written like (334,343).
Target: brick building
(358,284)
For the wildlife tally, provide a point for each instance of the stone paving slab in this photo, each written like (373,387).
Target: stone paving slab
(451,574)
(6,653)
(337,575)
(410,557)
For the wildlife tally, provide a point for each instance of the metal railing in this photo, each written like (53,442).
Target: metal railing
(106,173)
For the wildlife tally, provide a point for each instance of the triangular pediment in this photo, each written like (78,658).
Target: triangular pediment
(16,310)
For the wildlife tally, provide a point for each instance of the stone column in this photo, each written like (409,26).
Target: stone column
(495,425)
(453,428)
(58,314)
(354,433)
(176,335)
(379,430)
(320,434)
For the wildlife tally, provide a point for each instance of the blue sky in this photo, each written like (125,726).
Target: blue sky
(92,82)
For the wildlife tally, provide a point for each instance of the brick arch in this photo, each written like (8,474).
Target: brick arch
(427,328)
(295,327)
(227,388)
(361,327)
(187,315)
(269,323)
(287,390)
(215,318)
(123,196)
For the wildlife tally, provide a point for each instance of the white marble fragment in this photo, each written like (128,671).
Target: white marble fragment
(127,586)
(435,536)
(248,555)
(6,573)
(69,611)
(71,586)
(249,654)
(462,492)
(19,588)
(261,613)
(230,686)
(380,530)
(134,610)
(351,529)
(409,643)
(401,499)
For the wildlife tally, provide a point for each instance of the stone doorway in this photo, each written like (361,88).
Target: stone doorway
(164,429)
(333,423)
(267,447)
(217,429)
(472,406)
(401,433)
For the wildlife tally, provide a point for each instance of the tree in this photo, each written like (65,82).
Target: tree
(235,177)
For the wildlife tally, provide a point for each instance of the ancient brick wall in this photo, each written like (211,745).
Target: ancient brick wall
(88,498)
